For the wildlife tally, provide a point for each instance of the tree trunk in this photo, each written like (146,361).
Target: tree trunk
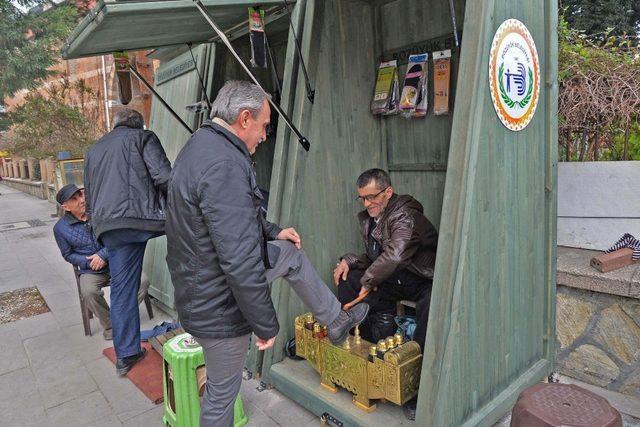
(584,143)
(625,152)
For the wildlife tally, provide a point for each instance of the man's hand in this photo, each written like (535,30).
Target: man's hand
(340,272)
(265,344)
(96,263)
(292,235)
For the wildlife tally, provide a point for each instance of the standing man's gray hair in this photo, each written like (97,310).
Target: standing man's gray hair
(235,96)
(128,117)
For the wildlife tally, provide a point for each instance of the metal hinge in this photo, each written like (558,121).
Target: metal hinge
(328,418)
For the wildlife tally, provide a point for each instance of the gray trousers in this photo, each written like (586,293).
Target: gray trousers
(91,292)
(225,357)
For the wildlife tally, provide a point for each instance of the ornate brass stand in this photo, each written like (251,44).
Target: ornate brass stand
(389,370)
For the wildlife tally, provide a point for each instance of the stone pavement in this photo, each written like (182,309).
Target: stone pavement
(50,373)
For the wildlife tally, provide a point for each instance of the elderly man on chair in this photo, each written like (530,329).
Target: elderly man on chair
(80,248)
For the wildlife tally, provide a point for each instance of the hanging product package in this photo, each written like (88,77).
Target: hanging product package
(385,96)
(414,99)
(441,79)
(258,38)
(122,65)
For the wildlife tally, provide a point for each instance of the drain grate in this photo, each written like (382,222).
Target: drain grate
(22,224)
(14,226)
(20,304)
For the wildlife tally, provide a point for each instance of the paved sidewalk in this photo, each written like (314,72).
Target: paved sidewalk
(50,373)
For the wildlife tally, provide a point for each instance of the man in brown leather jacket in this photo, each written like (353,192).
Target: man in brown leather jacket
(400,255)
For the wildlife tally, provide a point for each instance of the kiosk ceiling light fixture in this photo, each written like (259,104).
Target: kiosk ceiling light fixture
(203,10)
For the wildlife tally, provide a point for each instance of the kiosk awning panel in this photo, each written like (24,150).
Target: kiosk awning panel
(116,25)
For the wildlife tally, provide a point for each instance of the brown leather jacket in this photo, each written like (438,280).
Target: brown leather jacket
(408,241)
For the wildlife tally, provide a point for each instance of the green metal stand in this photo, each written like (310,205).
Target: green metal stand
(182,380)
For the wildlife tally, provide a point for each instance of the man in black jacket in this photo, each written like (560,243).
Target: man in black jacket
(222,253)
(400,255)
(125,178)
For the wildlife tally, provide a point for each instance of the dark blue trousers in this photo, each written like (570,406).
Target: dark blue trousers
(126,252)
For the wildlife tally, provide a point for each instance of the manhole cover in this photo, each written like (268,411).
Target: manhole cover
(36,223)
(22,224)
(20,304)
(14,226)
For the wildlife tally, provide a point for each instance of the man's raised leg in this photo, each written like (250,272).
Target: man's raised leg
(293,265)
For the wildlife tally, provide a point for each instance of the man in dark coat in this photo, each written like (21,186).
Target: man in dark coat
(222,253)
(400,255)
(125,177)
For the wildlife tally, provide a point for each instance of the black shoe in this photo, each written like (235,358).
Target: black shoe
(125,364)
(409,409)
(339,328)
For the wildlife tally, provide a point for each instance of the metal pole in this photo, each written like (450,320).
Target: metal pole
(173,113)
(106,97)
(205,13)
(452,8)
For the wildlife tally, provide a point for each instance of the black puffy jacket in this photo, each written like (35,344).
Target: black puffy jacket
(125,178)
(216,239)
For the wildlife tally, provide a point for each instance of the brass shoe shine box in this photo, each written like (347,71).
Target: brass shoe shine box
(387,370)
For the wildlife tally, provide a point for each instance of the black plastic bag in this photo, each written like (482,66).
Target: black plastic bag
(290,349)
(378,326)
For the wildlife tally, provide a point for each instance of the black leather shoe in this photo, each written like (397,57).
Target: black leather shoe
(125,364)
(339,328)
(409,409)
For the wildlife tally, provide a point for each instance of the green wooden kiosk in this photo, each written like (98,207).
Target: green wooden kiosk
(491,191)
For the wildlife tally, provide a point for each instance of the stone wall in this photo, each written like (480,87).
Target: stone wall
(598,339)
(38,189)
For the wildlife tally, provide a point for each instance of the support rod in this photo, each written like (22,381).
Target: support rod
(452,9)
(173,113)
(205,13)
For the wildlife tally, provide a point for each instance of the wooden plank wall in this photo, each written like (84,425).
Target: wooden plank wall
(178,92)
(491,322)
(315,191)
(318,188)
(418,148)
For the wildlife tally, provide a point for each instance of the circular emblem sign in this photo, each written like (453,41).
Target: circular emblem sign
(514,74)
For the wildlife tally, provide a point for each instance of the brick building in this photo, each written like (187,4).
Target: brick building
(98,74)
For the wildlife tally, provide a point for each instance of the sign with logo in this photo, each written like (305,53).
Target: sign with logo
(514,75)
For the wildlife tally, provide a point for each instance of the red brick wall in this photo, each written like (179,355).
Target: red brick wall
(90,70)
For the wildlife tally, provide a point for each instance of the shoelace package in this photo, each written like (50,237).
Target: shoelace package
(414,99)
(385,96)
(441,79)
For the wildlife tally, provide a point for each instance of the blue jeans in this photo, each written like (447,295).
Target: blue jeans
(126,252)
